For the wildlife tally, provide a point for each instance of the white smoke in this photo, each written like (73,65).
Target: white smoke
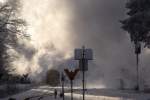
(58,26)
(48,24)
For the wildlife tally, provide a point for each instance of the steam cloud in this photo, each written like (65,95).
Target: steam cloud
(57,27)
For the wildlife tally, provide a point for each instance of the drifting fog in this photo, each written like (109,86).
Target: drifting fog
(58,26)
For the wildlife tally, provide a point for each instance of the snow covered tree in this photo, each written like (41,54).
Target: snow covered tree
(137,24)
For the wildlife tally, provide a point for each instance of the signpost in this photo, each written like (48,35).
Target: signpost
(83,55)
(71,75)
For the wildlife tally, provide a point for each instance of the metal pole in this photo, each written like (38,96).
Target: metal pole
(71,90)
(83,65)
(83,87)
(137,69)
(63,90)
(137,52)
(62,80)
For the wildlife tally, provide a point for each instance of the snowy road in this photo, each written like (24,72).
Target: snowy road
(46,93)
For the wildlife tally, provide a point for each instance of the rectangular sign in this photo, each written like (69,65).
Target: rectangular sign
(83,53)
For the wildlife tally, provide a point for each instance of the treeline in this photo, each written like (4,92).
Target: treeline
(16,79)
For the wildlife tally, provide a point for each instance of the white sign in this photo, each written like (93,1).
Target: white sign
(83,53)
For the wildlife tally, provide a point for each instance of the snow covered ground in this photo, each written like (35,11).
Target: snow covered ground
(46,93)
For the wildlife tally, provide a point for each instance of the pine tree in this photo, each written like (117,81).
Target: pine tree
(137,24)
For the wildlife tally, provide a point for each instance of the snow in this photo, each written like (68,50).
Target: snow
(46,93)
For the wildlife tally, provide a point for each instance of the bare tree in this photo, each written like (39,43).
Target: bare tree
(11,29)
